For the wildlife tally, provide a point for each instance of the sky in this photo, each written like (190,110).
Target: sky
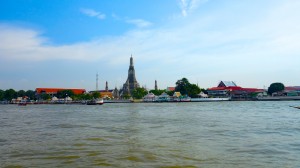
(65,43)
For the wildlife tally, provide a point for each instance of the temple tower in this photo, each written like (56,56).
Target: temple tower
(106,86)
(155,87)
(131,82)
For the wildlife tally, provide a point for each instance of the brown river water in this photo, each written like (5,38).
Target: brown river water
(160,135)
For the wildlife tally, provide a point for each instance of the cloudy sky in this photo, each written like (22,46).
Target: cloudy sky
(64,43)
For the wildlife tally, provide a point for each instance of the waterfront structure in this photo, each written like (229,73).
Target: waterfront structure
(150,97)
(176,94)
(53,91)
(131,82)
(164,97)
(106,93)
(230,89)
(292,90)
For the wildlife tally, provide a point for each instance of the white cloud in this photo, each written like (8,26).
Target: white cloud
(140,23)
(188,6)
(92,13)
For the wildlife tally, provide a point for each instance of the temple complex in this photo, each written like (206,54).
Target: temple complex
(131,82)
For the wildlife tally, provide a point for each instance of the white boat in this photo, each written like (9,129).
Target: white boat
(95,102)
(99,101)
(203,99)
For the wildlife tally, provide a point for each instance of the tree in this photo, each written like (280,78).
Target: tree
(65,93)
(30,94)
(157,92)
(1,95)
(126,96)
(193,90)
(139,93)
(45,96)
(170,93)
(10,94)
(86,96)
(21,93)
(96,95)
(186,88)
(182,86)
(275,87)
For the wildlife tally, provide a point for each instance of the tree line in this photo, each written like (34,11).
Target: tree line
(9,94)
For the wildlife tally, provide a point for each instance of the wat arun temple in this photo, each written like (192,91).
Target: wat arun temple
(131,82)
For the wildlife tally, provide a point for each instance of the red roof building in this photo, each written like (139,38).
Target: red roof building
(170,89)
(55,90)
(226,88)
(231,86)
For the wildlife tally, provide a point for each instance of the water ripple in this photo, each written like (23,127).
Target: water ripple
(225,134)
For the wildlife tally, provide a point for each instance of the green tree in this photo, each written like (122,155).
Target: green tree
(182,86)
(96,95)
(45,96)
(275,87)
(186,88)
(86,96)
(170,93)
(65,93)
(193,90)
(1,95)
(157,92)
(21,93)
(30,94)
(126,96)
(139,93)
(10,94)
(78,97)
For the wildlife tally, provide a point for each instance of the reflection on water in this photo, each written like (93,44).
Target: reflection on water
(163,135)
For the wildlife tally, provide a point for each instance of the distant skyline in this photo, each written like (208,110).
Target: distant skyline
(64,43)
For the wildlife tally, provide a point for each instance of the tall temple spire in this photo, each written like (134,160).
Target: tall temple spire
(131,61)
(106,86)
(131,82)
(155,87)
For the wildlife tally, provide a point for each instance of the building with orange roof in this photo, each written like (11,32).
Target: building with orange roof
(55,90)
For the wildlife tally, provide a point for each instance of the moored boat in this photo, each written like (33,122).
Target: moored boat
(22,103)
(95,102)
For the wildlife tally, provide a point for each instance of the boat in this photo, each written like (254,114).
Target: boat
(297,107)
(95,102)
(22,103)
(204,99)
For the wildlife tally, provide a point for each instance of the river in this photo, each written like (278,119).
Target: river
(163,135)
